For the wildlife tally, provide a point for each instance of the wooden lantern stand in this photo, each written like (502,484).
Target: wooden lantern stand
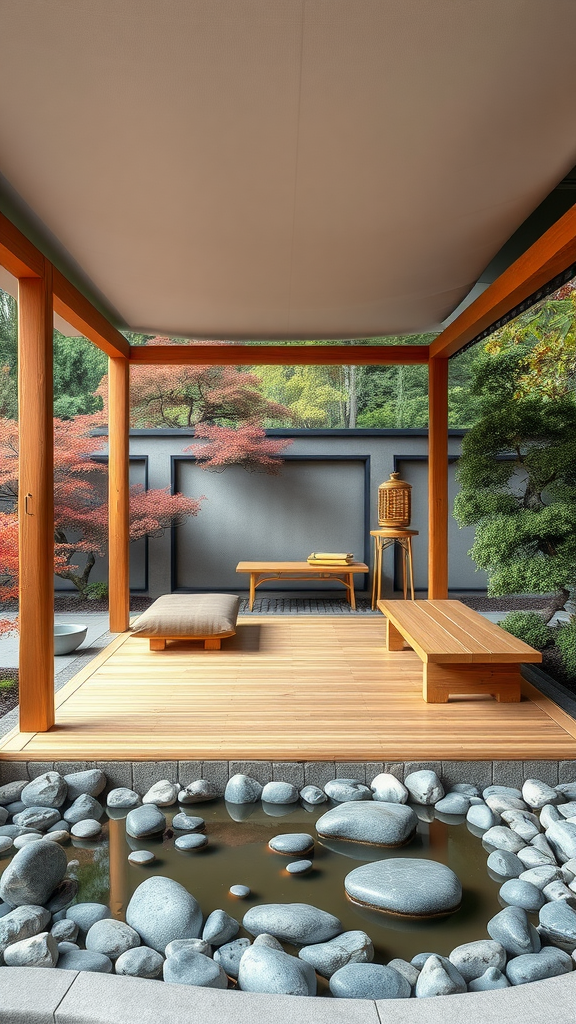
(383,538)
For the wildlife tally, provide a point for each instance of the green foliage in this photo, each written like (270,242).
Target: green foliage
(78,369)
(529,627)
(566,644)
(96,591)
(6,686)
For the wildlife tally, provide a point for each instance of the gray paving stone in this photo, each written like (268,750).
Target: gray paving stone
(318,773)
(189,771)
(36,768)
(508,773)
(68,767)
(566,771)
(29,994)
(395,768)
(146,773)
(545,771)
(289,771)
(477,773)
(372,769)
(13,771)
(118,773)
(123,999)
(217,772)
(259,770)
(351,770)
(418,766)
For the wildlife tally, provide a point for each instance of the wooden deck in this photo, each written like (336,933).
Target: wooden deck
(284,688)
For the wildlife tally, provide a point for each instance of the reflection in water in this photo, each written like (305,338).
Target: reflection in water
(238,853)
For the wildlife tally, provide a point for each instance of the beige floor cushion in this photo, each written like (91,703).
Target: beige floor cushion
(207,617)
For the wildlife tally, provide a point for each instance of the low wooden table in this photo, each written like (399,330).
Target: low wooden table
(262,572)
(461,651)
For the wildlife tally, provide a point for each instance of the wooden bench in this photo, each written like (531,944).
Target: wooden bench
(262,572)
(461,651)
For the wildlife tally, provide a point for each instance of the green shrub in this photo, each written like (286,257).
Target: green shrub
(96,591)
(529,627)
(566,644)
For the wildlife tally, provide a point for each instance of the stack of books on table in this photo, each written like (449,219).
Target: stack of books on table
(330,558)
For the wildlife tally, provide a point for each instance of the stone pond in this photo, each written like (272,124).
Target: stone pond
(388,891)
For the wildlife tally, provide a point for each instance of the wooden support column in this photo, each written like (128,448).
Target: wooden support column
(119,494)
(36,502)
(438,478)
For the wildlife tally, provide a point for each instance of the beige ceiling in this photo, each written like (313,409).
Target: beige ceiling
(285,168)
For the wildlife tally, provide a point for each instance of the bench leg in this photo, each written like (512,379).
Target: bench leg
(212,644)
(500,681)
(394,639)
(252,590)
(157,644)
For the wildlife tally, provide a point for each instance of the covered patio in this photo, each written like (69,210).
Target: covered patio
(306,242)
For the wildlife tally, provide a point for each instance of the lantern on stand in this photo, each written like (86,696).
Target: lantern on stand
(394,503)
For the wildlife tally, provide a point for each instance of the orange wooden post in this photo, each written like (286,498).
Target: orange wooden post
(119,494)
(36,502)
(438,478)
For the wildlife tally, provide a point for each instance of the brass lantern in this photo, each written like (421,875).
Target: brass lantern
(394,503)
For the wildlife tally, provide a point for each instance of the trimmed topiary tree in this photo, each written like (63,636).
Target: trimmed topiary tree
(529,627)
(565,640)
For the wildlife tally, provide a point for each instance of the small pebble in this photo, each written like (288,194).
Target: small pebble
(187,822)
(191,841)
(140,857)
(298,867)
(241,891)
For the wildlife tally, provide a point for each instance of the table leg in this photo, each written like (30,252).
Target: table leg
(394,639)
(404,586)
(379,583)
(351,594)
(374,573)
(410,566)
(252,590)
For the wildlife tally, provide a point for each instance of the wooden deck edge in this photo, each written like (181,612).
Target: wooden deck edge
(562,718)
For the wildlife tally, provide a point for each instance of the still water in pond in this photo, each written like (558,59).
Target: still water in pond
(238,853)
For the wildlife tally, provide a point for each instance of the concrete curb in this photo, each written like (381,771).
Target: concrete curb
(32,996)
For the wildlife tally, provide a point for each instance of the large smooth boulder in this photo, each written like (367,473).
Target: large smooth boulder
(146,820)
(47,790)
(22,923)
(354,947)
(280,793)
(512,929)
(122,799)
(263,969)
(33,874)
(406,886)
(242,789)
(90,782)
(424,787)
(111,938)
(163,794)
(378,823)
(292,922)
(388,788)
(161,910)
(519,893)
(472,959)
(369,981)
(548,963)
(185,967)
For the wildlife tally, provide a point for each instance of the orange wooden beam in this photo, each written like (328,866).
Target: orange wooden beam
(438,479)
(36,502)
(552,253)
(73,307)
(119,494)
(17,255)
(278,355)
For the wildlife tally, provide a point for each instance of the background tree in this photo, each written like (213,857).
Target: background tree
(518,475)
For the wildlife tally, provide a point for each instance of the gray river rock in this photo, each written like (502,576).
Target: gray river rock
(424,787)
(512,929)
(299,867)
(146,820)
(537,793)
(47,790)
(91,782)
(86,914)
(558,925)
(452,803)
(33,873)
(548,963)
(230,954)
(291,843)
(111,938)
(481,816)
(11,791)
(548,815)
(263,969)
(140,962)
(406,969)
(185,967)
(557,890)
(439,977)
(542,876)
(161,910)
(85,960)
(187,822)
(242,789)
(408,886)
(122,798)
(388,788)
(298,923)
(379,823)
(503,838)
(21,923)
(163,794)
(345,790)
(64,931)
(88,828)
(472,959)
(141,857)
(349,947)
(38,951)
(267,940)
(62,895)
(534,858)
(519,893)
(40,818)
(562,838)
(198,792)
(197,945)
(491,979)
(5,844)
(369,981)
(191,841)
(84,806)
(313,795)
(220,928)
(280,793)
